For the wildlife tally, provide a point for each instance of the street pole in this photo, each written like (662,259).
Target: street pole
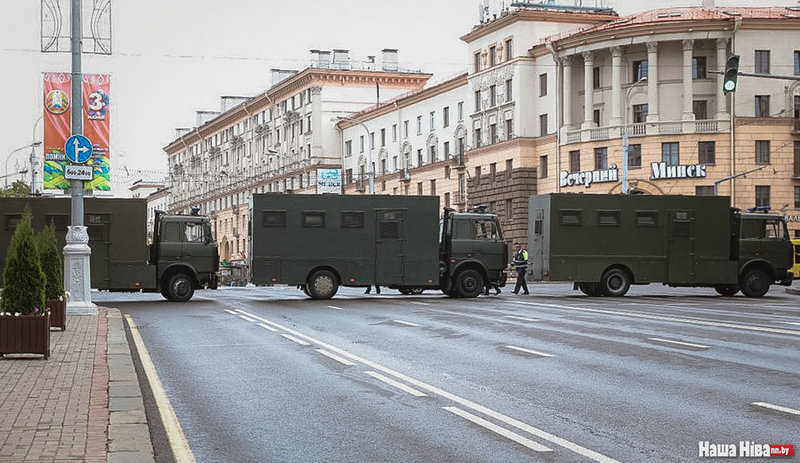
(34,164)
(371,173)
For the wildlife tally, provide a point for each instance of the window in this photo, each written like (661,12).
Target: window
(543,84)
(700,109)
(509,132)
(639,113)
(433,120)
(705,152)
(646,218)
(405,129)
(390,229)
(762,196)
(762,106)
(797,159)
(477,100)
(762,61)
(477,61)
(478,140)
(509,49)
(478,173)
(635,155)
(699,67)
(361,144)
(446,149)
(419,188)
(348,148)
(639,70)
(446,116)
(596,117)
(509,210)
(608,218)
(274,218)
(509,92)
(419,157)
(509,167)
(570,217)
(383,137)
(446,171)
(352,219)
(447,200)
(762,151)
(492,96)
(419,125)
(670,153)
(796,62)
(394,132)
(371,140)
(493,133)
(601,158)
(433,187)
(543,166)
(487,230)
(542,124)
(574,161)
(460,111)
(492,56)
(595,77)
(704,191)
(797,197)
(492,171)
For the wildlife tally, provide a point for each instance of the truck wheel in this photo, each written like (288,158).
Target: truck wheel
(404,290)
(590,289)
(726,290)
(754,283)
(305,290)
(322,285)
(416,290)
(615,282)
(469,283)
(180,288)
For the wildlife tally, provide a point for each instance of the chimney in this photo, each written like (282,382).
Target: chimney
(205,116)
(279,75)
(181,131)
(324,59)
(389,59)
(228,102)
(341,60)
(314,58)
(708,4)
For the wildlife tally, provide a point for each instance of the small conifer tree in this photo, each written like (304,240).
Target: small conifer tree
(23,279)
(50,259)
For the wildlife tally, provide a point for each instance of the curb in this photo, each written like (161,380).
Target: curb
(128,431)
(795,291)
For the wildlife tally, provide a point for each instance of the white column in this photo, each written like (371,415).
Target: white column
(652,82)
(616,85)
(588,101)
(566,62)
(688,95)
(77,277)
(722,56)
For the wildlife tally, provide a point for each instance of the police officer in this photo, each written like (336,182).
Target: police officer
(521,266)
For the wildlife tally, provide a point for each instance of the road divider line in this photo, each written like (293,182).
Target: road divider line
(247,319)
(294,339)
(398,385)
(528,351)
(334,307)
(231,312)
(521,318)
(793,323)
(405,323)
(680,343)
(591,454)
(267,327)
(335,357)
(535,446)
(670,319)
(419,303)
(779,408)
(181,451)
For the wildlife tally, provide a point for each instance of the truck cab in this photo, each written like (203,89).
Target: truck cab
(472,253)
(185,254)
(762,247)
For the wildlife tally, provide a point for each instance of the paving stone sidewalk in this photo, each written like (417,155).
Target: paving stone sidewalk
(84,404)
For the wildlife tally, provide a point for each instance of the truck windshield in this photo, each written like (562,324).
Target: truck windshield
(487,230)
(764,228)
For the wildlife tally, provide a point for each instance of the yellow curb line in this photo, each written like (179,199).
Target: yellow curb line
(177,440)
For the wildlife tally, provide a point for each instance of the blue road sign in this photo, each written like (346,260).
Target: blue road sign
(78,149)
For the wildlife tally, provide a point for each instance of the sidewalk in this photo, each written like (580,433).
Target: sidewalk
(84,404)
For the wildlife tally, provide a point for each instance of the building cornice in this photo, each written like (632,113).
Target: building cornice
(503,21)
(520,142)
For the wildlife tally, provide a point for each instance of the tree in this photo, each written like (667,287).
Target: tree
(23,277)
(50,259)
(18,189)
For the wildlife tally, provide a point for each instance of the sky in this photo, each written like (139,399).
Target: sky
(174,57)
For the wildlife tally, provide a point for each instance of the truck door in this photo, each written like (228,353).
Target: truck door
(197,249)
(537,240)
(389,244)
(97,226)
(489,247)
(680,246)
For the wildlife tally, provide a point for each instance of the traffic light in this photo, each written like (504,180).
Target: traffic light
(731,73)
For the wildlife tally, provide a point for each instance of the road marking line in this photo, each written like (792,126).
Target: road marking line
(177,440)
(777,407)
(502,431)
(418,303)
(591,454)
(398,385)
(699,346)
(267,327)
(521,318)
(246,318)
(793,323)
(405,323)
(671,319)
(336,357)
(528,351)
(231,312)
(292,338)
(334,307)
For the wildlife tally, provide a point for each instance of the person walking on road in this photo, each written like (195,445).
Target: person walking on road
(377,289)
(521,266)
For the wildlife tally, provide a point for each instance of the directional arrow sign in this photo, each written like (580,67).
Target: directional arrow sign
(78,149)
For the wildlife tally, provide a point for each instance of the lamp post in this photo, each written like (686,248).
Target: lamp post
(625,136)
(34,164)
(371,173)
(30,145)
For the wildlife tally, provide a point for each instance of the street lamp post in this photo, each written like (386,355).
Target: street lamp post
(34,164)
(625,136)
(30,145)
(371,173)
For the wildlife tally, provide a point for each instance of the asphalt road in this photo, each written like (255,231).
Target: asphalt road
(264,374)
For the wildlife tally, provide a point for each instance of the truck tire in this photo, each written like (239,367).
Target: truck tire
(305,290)
(322,285)
(590,289)
(469,283)
(180,288)
(754,283)
(416,291)
(726,290)
(615,282)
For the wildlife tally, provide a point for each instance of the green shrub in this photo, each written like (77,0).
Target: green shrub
(23,277)
(50,259)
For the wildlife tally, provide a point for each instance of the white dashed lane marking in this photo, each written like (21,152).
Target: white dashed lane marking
(528,351)
(680,343)
(405,323)
(502,431)
(294,339)
(521,318)
(335,357)
(778,408)
(398,385)
(267,327)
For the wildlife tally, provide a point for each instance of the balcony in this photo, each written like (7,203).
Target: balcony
(459,197)
(405,174)
(236,232)
(458,161)
(641,129)
(361,182)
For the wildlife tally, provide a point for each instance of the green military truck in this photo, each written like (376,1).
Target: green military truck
(605,243)
(182,257)
(321,242)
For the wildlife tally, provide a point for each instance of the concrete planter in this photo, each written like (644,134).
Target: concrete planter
(25,335)
(58,312)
